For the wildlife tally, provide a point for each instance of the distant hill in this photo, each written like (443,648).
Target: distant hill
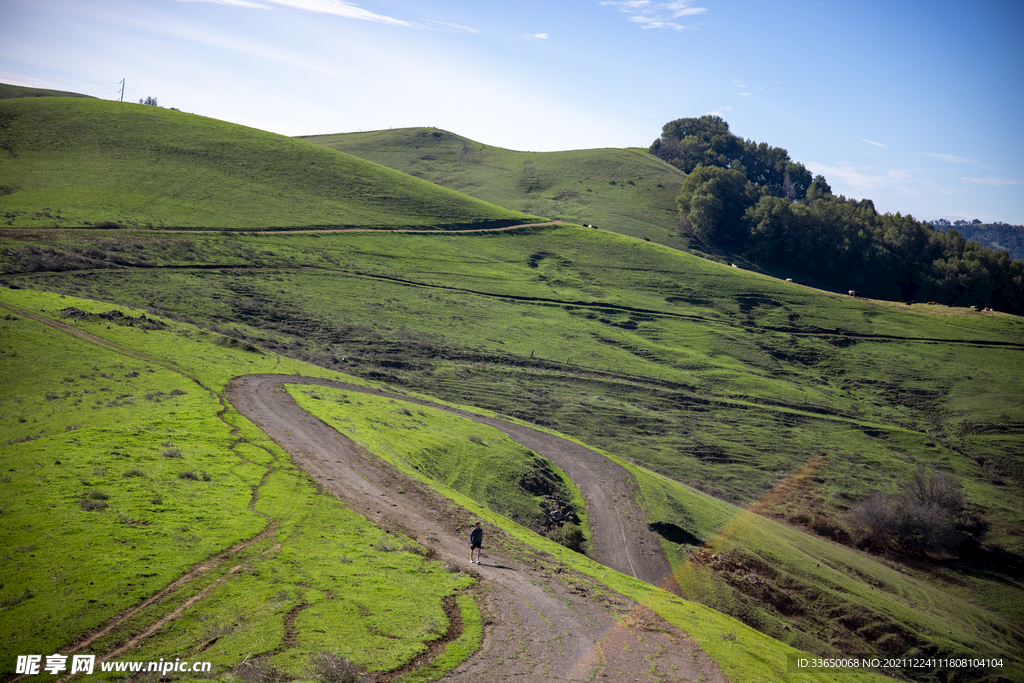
(997,236)
(8,91)
(67,162)
(628,191)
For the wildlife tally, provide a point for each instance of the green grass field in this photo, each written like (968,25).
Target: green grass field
(280,573)
(72,162)
(727,387)
(726,381)
(123,472)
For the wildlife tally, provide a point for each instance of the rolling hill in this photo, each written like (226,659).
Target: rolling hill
(628,191)
(74,162)
(754,414)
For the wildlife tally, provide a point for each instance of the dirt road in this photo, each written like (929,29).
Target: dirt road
(538,626)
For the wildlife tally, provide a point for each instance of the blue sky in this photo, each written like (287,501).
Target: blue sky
(916,105)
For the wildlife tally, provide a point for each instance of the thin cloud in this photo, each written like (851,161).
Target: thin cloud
(993,181)
(656,14)
(872,142)
(454,27)
(950,159)
(627,5)
(862,179)
(537,36)
(233,3)
(334,7)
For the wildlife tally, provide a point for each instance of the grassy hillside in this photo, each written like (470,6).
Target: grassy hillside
(8,91)
(127,477)
(723,389)
(261,593)
(760,392)
(628,191)
(79,162)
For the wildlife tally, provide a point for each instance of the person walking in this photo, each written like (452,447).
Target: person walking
(476,541)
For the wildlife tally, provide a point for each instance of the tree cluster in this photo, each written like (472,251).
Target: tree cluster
(998,235)
(762,205)
(706,141)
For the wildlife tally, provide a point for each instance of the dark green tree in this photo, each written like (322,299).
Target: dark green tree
(714,200)
(819,188)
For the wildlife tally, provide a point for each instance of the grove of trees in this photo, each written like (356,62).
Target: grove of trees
(753,199)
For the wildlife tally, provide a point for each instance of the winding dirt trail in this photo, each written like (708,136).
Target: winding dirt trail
(542,622)
(538,625)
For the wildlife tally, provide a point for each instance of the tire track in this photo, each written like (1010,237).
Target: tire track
(211,563)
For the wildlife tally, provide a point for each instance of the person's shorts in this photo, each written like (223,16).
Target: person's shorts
(474,546)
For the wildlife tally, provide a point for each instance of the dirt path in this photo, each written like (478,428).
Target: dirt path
(542,623)
(539,626)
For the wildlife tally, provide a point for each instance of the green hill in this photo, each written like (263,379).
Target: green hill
(757,415)
(791,401)
(77,162)
(8,91)
(628,191)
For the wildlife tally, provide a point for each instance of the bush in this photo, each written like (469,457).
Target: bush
(569,535)
(331,668)
(259,671)
(926,517)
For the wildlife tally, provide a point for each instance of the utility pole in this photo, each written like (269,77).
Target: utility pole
(122,91)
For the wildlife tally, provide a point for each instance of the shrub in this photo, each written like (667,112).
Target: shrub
(190,475)
(133,473)
(924,518)
(331,668)
(91,505)
(172,452)
(569,535)
(259,671)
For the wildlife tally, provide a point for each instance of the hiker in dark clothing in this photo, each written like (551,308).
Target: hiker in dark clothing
(476,540)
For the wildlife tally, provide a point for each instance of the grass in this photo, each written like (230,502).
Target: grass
(79,162)
(623,190)
(816,595)
(8,91)
(475,460)
(311,562)
(745,653)
(730,382)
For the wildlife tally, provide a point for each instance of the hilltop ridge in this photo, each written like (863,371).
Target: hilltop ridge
(75,162)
